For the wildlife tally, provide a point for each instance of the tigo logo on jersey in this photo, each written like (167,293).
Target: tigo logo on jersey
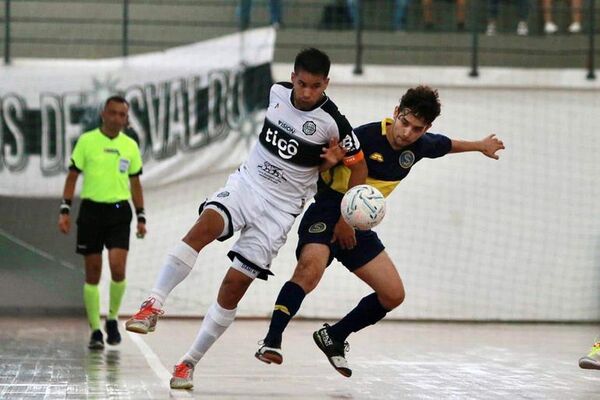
(309,128)
(407,159)
(285,149)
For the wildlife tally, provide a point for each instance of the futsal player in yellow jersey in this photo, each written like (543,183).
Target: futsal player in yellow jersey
(111,165)
(391,148)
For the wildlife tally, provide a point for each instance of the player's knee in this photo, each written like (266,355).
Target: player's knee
(232,290)
(392,298)
(307,274)
(118,276)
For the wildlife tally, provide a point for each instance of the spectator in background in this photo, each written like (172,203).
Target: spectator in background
(245,9)
(428,14)
(550,27)
(522,28)
(400,8)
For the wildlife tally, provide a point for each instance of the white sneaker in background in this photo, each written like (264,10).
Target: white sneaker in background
(522,29)
(491,29)
(575,27)
(550,27)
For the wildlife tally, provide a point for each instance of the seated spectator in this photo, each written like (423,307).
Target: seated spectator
(550,27)
(428,14)
(245,8)
(522,28)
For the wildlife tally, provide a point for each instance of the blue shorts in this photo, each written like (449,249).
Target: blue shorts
(317,227)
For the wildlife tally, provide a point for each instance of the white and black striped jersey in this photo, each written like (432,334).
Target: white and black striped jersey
(283,165)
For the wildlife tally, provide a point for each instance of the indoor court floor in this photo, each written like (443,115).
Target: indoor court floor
(47,358)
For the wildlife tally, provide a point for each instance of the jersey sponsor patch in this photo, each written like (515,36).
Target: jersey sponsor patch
(271,172)
(406,159)
(376,157)
(318,227)
(223,194)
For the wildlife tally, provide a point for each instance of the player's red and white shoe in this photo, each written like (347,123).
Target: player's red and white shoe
(145,320)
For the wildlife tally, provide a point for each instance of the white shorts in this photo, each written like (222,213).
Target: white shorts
(264,228)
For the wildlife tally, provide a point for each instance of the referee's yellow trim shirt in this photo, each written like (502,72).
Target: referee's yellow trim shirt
(106,165)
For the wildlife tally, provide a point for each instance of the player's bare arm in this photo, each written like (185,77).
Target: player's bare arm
(64,221)
(488,146)
(137,196)
(332,155)
(343,233)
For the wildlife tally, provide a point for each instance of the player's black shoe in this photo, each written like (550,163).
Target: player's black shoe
(333,349)
(96,340)
(269,352)
(113,337)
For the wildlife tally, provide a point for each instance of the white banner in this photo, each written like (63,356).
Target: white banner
(195,109)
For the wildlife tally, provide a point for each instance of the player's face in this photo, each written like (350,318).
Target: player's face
(406,129)
(308,89)
(114,117)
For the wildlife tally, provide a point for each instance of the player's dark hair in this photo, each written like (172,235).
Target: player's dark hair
(116,99)
(423,102)
(314,61)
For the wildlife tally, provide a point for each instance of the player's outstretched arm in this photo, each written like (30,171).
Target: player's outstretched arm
(488,146)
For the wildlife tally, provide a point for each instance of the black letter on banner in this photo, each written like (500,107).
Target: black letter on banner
(177,131)
(156,119)
(71,130)
(52,134)
(137,104)
(197,115)
(13,109)
(217,96)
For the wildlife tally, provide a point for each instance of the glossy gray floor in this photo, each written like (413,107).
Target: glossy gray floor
(46,358)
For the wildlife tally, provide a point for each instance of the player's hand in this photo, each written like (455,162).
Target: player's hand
(64,223)
(141,230)
(344,234)
(490,145)
(332,155)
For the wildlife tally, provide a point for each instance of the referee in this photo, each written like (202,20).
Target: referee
(111,165)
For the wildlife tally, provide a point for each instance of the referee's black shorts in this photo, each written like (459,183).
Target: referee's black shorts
(103,224)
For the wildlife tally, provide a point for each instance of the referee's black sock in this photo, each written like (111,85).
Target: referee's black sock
(368,312)
(286,306)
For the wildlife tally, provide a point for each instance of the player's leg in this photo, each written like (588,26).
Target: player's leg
(251,257)
(178,264)
(90,234)
(218,318)
(592,360)
(381,275)
(314,258)
(117,258)
(117,234)
(314,254)
(91,298)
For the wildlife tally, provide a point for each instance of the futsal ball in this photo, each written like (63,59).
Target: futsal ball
(363,207)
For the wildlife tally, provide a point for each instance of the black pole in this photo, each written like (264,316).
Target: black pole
(358,70)
(125,40)
(475,41)
(591,64)
(6,32)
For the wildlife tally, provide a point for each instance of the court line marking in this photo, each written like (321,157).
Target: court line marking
(157,366)
(37,251)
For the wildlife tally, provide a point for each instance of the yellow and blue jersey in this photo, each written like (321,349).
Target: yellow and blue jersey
(387,167)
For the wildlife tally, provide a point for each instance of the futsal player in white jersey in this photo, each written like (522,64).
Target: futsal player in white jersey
(262,198)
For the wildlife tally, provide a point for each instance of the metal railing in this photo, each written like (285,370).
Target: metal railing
(121,21)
